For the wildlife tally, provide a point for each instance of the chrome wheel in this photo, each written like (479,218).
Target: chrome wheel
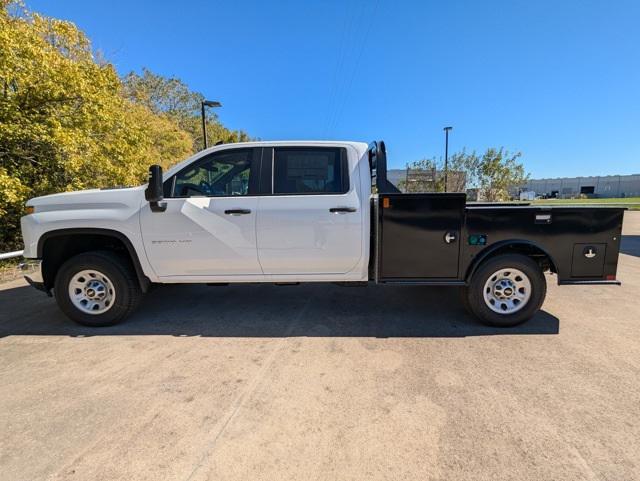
(92,292)
(507,291)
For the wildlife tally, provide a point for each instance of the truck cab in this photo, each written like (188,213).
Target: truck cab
(306,211)
(296,211)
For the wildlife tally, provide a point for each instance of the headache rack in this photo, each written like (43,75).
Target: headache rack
(378,166)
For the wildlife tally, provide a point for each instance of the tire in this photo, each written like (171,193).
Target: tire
(506,290)
(103,285)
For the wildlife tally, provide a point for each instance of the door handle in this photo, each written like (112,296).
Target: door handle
(450,237)
(237,211)
(342,210)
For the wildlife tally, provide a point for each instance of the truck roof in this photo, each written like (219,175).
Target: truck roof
(361,147)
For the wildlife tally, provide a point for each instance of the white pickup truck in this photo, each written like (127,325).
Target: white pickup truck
(291,212)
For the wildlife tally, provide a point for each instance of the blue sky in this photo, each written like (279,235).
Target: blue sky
(557,80)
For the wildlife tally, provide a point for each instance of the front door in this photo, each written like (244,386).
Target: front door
(311,223)
(208,228)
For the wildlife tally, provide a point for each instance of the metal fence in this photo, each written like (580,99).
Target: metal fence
(10,255)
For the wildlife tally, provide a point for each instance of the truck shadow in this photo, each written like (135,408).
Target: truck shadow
(630,245)
(311,310)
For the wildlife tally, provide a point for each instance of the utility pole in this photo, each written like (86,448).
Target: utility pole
(203,104)
(446,156)
(406,180)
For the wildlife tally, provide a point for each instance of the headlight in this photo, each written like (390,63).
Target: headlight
(29,209)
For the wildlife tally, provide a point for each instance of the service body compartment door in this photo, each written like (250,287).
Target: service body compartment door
(419,236)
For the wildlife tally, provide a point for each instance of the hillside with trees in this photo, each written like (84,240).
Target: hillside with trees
(68,121)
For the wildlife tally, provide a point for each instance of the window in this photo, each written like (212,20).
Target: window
(310,170)
(223,174)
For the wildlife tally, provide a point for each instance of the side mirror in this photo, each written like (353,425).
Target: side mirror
(154,192)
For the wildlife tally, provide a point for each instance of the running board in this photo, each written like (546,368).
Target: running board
(589,283)
(423,282)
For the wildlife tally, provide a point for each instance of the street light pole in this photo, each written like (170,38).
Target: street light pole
(203,104)
(446,156)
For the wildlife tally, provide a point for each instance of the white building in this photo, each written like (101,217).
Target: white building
(601,186)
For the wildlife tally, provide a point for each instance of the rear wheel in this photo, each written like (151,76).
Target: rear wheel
(506,290)
(97,288)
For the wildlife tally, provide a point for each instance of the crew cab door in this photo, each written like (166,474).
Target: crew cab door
(208,227)
(311,220)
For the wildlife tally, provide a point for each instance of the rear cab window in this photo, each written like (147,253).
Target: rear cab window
(310,170)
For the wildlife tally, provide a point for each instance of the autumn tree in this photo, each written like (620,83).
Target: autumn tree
(68,121)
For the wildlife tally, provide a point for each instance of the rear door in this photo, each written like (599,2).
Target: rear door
(310,220)
(420,236)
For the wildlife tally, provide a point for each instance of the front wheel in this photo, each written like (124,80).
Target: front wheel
(506,290)
(97,288)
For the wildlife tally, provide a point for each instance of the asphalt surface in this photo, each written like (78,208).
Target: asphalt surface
(321,382)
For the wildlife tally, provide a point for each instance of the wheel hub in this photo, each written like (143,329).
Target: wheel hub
(95,289)
(507,291)
(504,289)
(91,292)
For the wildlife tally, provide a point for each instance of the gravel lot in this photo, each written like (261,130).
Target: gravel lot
(324,382)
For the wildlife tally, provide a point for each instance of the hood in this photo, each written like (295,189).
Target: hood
(89,199)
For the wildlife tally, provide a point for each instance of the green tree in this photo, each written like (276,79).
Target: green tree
(427,175)
(493,173)
(172,97)
(499,171)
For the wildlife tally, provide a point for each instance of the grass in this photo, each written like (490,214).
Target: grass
(632,203)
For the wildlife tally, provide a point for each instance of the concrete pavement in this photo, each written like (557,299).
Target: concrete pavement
(324,382)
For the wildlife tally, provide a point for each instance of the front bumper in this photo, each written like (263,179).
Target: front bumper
(32,272)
